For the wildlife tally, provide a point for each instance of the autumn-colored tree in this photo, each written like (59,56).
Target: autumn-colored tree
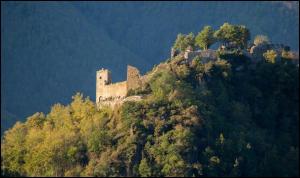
(270,56)
(261,39)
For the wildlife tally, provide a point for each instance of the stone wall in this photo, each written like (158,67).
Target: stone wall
(111,94)
(204,54)
(144,79)
(114,94)
(119,101)
(189,55)
(133,78)
(115,90)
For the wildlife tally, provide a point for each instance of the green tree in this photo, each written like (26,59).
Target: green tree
(184,41)
(243,36)
(226,33)
(98,140)
(237,34)
(162,84)
(144,168)
(205,38)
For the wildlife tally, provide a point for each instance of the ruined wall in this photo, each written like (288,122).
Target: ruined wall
(133,78)
(144,79)
(206,55)
(113,94)
(189,55)
(119,101)
(115,90)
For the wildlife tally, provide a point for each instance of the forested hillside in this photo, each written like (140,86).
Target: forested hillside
(50,50)
(224,117)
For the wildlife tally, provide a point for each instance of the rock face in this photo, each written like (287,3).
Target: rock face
(110,94)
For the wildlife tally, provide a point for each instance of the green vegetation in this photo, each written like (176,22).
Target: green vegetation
(270,56)
(197,119)
(205,38)
(184,41)
(261,39)
(238,35)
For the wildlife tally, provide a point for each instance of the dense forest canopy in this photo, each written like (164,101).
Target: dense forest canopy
(225,117)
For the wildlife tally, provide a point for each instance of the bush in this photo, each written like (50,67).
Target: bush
(261,39)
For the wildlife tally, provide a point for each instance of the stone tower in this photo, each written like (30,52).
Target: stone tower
(103,77)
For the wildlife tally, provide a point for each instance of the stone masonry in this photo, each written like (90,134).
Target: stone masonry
(111,94)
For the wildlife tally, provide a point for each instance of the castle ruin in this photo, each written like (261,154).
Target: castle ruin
(111,94)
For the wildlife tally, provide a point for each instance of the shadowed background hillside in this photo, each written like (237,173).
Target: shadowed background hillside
(50,50)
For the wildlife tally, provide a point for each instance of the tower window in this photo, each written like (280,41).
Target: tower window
(100,77)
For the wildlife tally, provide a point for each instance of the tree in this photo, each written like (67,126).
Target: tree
(184,41)
(144,168)
(225,33)
(162,84)
(270,56)
(261,39)
(205,38)
(243,36)
(237,34)
(13,151)
(98,140)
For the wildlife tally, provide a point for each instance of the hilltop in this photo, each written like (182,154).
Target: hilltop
(224,114)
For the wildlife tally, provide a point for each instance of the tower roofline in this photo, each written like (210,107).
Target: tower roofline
(102,70)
